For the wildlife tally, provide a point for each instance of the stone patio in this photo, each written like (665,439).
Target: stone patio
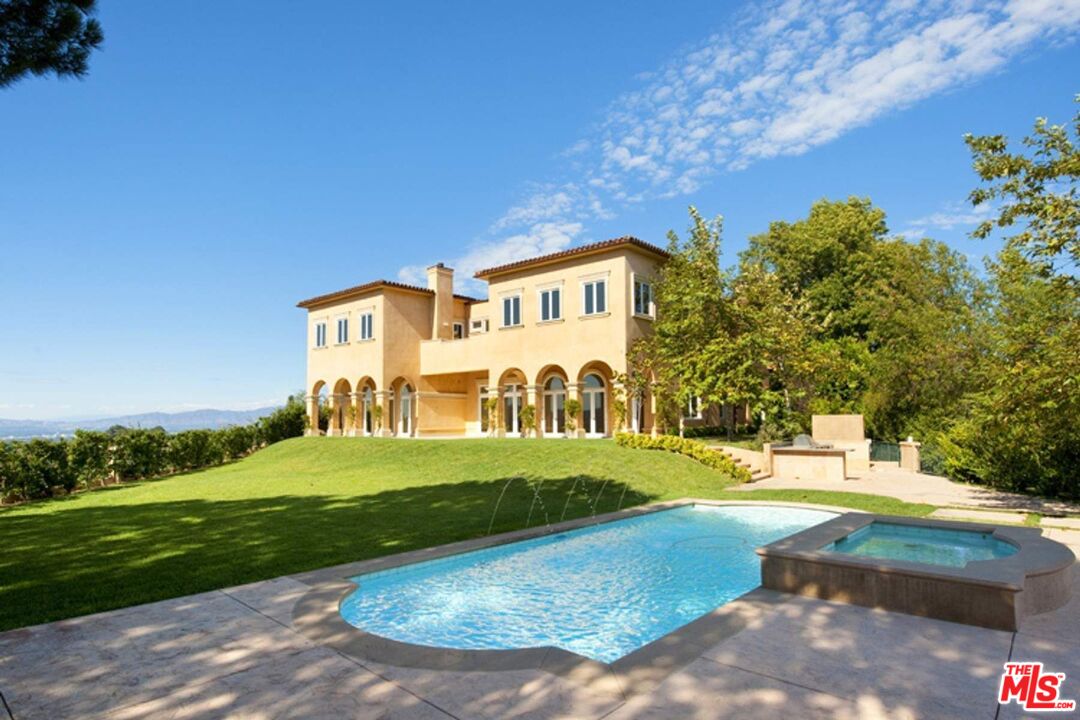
(234,653)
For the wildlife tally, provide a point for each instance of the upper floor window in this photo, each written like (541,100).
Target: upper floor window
(342,330)
(594,293)
(511,311)
(459,330)
(478,325)
(320,334)
(550,304)
(367,326)
(693,408)
(643,300)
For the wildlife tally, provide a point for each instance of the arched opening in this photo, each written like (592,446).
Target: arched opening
(554,420)
(403,407)
(512,390)
(318,420)
(366,406)
(594,406)
(340,417)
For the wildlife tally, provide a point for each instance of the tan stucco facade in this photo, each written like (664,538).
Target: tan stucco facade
(553,328)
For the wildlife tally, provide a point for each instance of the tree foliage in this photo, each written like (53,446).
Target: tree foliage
(46,36)
(1036,191)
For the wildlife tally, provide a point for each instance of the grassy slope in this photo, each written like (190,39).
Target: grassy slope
(310,503)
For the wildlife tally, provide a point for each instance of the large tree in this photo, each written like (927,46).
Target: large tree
(46,36)
(1036,190)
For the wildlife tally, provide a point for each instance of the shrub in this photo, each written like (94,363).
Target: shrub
(38,466)
(8,471)
(690,448)
(237,441)
(572,409)
(528,419)
(194,449)
(90,457)
(285,422)
(139,453)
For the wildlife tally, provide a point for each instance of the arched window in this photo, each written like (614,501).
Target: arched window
(512,403)
(554,406)
(592,410)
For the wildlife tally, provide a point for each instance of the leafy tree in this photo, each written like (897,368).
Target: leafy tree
(1021,429)
(691,316)
(46,36)
(823,259)
(286,422)
(90,456)
(1037,190)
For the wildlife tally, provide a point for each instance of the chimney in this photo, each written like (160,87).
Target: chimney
(441,279)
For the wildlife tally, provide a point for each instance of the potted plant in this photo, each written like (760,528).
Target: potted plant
(376,418)
(350,420)
(573,409)
(527,416)
(492,404)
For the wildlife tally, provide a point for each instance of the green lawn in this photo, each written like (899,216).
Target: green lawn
(313,502)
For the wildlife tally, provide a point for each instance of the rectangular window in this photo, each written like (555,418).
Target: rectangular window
(550,304)
(478,326)
(367,325)
(595,297)
(342,330)
(693,408)
(642,298)
(459,330)
(320,334)
(511,311)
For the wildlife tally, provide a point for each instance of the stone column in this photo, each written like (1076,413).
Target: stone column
(576,391)
(313,415)
(909,455)
(654,426)
(533,397)
(496,428)
(337,406)
(384,428)
(355,428)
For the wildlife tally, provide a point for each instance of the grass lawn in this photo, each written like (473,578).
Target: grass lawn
(313,502)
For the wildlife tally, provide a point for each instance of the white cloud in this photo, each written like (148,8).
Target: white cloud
(782,78)
(952,216)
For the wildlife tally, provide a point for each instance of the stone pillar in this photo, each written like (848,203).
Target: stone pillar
(354,427)
(313,415)
(533,397)
(618,394)
(496,428)
(576,391)
(384,427)
(654,428)
(337,411)
(909,455)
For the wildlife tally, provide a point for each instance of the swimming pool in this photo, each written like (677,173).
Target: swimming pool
(601,591)
(930,545)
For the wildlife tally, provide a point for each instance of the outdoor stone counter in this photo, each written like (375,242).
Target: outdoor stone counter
(997,593)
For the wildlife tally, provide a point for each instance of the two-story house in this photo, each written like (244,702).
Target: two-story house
(553,327)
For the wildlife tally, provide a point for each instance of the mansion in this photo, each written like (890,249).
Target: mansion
(394,359)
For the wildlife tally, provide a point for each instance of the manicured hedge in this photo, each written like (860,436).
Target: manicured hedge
(40,468)
(690,448)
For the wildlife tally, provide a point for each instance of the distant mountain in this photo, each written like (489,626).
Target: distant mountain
(172,422)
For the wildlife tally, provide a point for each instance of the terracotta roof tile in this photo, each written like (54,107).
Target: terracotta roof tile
(581,250)
(373,285)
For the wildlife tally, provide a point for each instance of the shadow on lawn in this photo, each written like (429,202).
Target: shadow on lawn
(86,559)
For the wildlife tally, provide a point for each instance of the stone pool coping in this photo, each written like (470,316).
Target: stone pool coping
(996,593)
(317,616)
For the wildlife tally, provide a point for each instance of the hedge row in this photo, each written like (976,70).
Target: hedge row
(40,468)
(690,448)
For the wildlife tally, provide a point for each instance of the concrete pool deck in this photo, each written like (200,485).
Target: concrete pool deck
(237,653)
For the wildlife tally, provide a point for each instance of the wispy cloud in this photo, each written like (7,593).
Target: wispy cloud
(784,78)
(952,216)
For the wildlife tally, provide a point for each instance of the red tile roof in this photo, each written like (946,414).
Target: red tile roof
(373,285)
(582,250)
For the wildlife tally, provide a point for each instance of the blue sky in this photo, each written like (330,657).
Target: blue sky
(160,219)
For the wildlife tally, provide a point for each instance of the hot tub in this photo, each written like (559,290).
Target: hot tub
(986,575)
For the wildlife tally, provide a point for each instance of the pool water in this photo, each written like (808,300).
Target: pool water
(932,546)
(601,591)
